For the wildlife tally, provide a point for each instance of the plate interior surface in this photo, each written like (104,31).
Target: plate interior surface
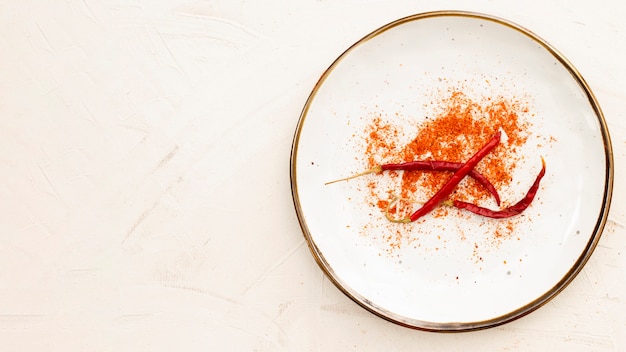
(453,272)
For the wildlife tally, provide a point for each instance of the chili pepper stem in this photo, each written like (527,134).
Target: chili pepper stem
(393,202)
(447,203)
(375,169)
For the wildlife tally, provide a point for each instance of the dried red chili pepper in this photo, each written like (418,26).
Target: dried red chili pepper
(514,209)
(449,186)
(429,165)
(436,165)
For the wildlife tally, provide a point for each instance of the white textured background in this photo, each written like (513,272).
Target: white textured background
(145,200)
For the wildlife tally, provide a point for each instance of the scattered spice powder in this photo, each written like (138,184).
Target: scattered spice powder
(460,127)
(463,127)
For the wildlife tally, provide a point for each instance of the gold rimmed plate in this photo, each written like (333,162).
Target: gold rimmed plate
(453,272)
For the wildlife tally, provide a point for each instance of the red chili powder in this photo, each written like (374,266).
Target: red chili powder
(461,128)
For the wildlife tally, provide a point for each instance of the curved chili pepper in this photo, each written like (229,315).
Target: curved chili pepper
(514,209)
(449,186)
(436,165)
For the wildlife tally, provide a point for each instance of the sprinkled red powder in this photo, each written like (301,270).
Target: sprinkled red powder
(461,129)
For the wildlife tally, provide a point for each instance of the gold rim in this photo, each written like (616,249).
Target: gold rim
(531,306)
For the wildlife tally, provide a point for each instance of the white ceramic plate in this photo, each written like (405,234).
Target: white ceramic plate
(462,278)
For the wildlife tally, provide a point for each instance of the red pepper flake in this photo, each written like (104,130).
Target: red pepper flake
(460,127)
(463,127)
